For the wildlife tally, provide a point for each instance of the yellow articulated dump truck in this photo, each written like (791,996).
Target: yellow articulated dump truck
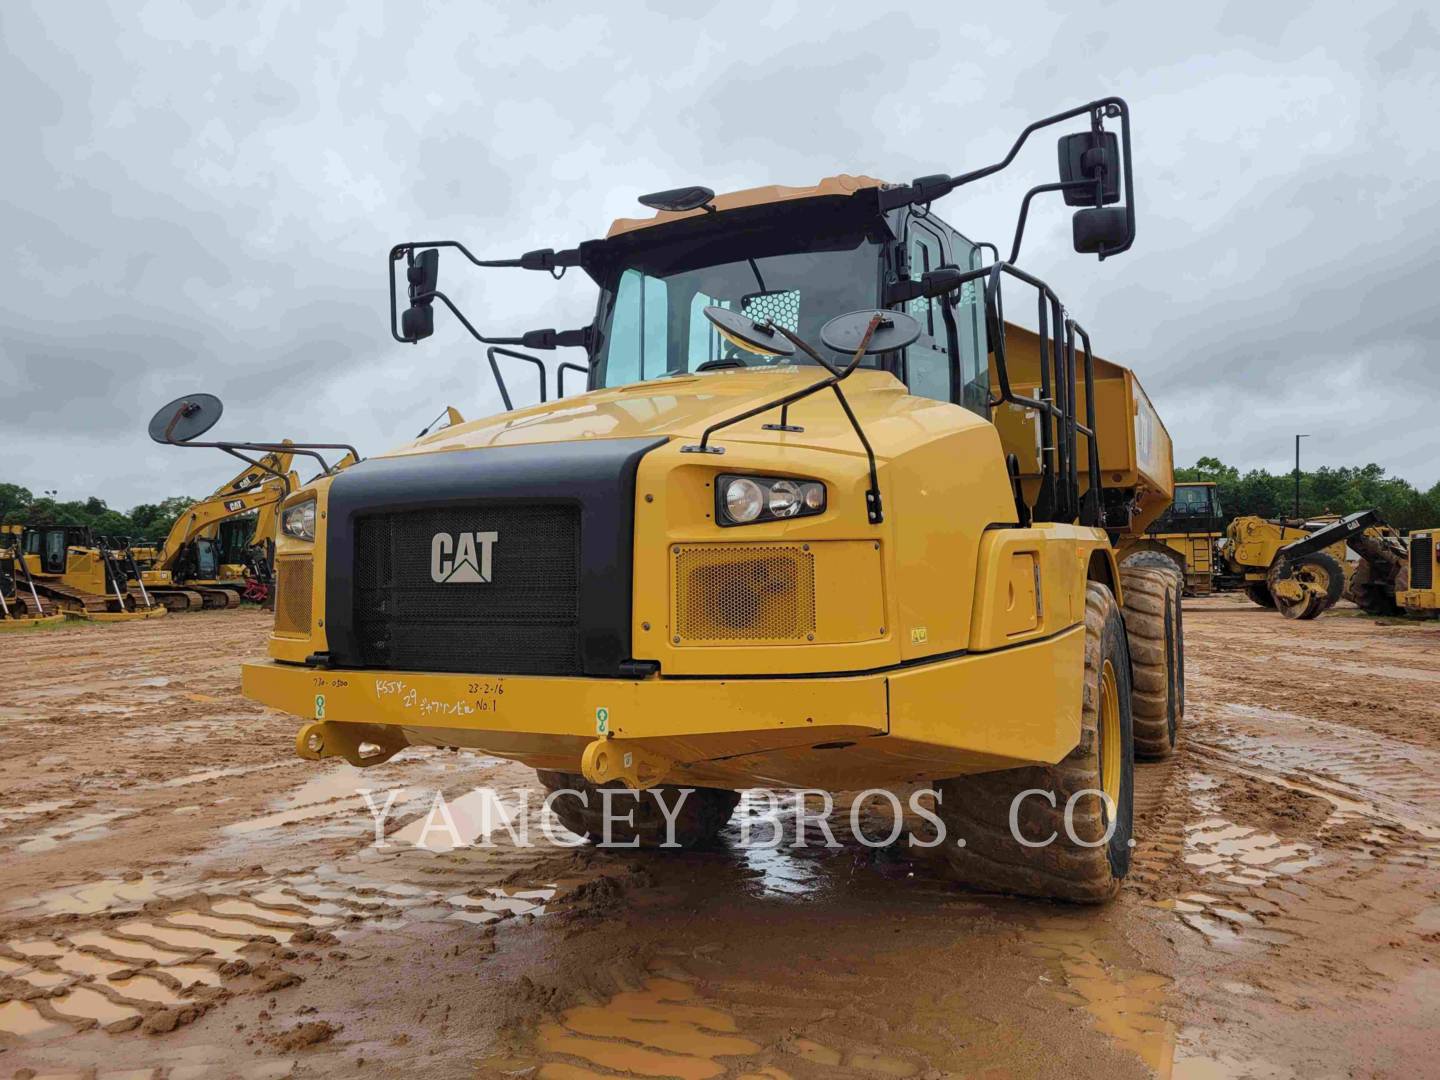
(821,518)
(1185,536)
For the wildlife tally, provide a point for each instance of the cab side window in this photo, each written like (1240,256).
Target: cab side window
(927,362)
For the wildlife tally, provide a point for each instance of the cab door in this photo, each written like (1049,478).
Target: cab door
(929,367)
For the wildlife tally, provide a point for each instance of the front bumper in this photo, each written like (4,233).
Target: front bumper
(972,713)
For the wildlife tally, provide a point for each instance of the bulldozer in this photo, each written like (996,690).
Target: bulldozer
(21,606)
(823,517)
(84,575)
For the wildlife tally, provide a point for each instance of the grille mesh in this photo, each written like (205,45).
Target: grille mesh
(744,592)
(782,308)
(524,621)
(1422,562)
(292,596)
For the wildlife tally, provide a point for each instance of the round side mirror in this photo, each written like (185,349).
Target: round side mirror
(844,333)
(186,418)
(744,332)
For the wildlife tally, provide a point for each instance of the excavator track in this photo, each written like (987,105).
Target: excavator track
(174,599)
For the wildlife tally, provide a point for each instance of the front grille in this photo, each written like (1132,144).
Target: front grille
(1422,562)
(744,592)
(523,621)
(292,596)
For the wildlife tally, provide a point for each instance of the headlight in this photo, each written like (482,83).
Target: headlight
(299,520)
(744,500)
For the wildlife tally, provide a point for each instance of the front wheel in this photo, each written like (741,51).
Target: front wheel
(1084,859)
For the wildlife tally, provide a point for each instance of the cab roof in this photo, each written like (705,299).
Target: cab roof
(844,184)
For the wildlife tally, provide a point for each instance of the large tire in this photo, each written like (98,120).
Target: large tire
(702,815)
(1152,617)
(1259,593)
(1157,560)
(1324,580)
(977,809)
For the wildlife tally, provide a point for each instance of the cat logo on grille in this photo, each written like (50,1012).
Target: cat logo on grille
(463,559)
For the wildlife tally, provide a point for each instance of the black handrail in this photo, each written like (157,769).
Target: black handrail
(490,355)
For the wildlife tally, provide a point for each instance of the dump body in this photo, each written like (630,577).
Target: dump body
(1136,455)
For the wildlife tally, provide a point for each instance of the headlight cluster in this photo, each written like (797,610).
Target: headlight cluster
(299,520)
(744,500)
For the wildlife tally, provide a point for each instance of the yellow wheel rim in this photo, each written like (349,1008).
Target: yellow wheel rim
(1109,732)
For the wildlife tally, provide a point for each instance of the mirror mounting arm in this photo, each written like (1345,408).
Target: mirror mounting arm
(1039,189)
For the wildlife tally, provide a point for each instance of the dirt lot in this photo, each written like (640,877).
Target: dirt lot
(183,897)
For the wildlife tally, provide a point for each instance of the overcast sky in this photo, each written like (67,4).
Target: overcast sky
(201,196)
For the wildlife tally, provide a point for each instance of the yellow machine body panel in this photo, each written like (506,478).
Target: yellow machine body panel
(944,640)
(1420,596)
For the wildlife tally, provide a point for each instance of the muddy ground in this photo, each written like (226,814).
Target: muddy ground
(182,897)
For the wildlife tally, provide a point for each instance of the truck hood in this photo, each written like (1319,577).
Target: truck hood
(683,406)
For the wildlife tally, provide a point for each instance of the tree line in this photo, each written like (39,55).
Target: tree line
(1326,490)
(148,521)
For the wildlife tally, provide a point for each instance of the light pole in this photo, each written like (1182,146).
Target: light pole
(1297,473)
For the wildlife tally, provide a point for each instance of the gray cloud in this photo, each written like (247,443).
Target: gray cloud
(202,197)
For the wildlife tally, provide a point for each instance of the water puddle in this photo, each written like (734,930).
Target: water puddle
(29,810)
(112,894)
(147,988)
(85,827)
(658,1030)
(244,908)
(241,927)
(1126,1004)
(22,1019)
(84,1003)
(220,774)
(326,795)
(1242,855)
(137,951)
(188,940)
(500,904)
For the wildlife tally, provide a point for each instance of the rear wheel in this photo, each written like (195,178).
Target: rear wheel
(700,817)
(1014,823)
(1157,660)
(1313,585)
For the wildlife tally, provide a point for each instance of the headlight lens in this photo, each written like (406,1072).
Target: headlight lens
(299,520)
(743,500)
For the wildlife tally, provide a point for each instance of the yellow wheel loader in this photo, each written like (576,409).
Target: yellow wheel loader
(823,518)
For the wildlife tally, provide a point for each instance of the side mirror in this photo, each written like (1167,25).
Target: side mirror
(186,418)
(418,321)
(1088,155)
(1101,229)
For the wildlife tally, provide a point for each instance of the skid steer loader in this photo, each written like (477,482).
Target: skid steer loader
(823,517)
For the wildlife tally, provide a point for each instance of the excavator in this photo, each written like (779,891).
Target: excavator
(185,573)
(21,606)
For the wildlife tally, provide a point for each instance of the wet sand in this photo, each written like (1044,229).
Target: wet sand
(182,897)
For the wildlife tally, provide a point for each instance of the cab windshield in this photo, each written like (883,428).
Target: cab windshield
(653,309)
